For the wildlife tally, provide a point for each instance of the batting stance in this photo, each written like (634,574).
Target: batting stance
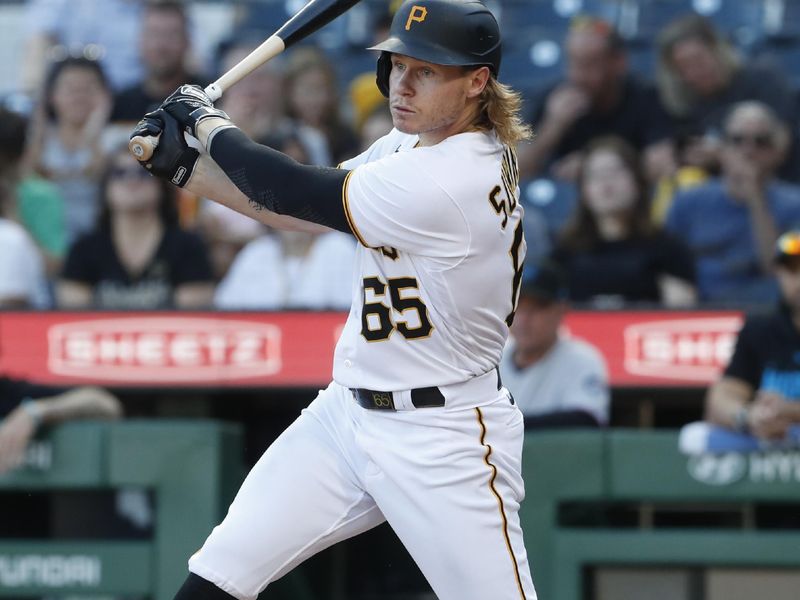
(416,428)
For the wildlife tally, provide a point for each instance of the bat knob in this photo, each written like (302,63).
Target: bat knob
(142,147)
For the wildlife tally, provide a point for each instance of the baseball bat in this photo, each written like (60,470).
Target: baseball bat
(310,18)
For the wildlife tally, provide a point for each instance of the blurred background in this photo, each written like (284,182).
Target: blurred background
(153,343)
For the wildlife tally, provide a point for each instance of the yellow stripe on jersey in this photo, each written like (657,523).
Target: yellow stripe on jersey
(347,214)
(500,504)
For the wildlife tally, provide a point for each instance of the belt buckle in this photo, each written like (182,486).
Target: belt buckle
(382,400)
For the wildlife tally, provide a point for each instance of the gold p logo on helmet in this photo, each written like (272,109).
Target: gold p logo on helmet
(418,14)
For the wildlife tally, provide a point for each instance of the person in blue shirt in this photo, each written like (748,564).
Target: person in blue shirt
(731,223)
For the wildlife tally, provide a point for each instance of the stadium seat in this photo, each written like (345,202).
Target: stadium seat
(782,18)
(353,29)
(739,19)
(555,200)
(553,15)
(532,60)
(783,54)
(642,58)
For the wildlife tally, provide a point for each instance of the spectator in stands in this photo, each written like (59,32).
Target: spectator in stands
(289,269)
(556,380)
(25,407)
(597,97)
(256,104)
(731,223)
(311,90)
(23,283)
(108,31)
(65,142)
(165,49)
(610,249)
(32,201)
(759,392)
(375,125)
(681,175)
(137,257)
(700,76)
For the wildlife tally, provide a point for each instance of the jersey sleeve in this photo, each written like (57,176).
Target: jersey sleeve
(396,202)
(379,148)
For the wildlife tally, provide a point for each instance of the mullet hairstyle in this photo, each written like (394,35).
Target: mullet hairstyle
(500,109)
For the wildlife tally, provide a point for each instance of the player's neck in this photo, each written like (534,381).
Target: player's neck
(465,122)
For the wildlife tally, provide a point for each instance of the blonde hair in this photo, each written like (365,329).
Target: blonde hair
(677,97)
(500,107)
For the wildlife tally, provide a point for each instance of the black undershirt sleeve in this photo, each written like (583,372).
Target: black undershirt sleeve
(277,183)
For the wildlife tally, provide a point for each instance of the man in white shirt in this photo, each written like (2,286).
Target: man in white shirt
(556,380)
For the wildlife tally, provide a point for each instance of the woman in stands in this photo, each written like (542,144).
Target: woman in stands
(610,249)
(137,257)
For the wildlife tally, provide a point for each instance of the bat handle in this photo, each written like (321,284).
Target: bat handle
(142,147)
(213,91)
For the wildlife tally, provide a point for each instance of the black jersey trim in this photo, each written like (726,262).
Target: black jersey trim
(346,204)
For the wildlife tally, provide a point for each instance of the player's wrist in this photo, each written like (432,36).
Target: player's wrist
(208,127)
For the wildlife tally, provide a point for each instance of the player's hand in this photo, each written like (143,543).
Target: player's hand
(191,106)
(172,159)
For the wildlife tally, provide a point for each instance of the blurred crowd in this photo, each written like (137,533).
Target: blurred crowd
(665,163)
(664,173)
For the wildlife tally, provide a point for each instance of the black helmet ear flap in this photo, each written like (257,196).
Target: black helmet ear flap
(382,73)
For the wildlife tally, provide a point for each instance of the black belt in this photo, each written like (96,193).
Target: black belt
(420,398)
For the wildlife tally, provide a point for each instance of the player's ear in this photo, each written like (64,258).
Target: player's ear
(478,78)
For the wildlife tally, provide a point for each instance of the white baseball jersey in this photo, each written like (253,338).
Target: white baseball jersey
(435,288)
(420,316)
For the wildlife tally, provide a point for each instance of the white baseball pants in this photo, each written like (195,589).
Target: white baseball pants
(446,479)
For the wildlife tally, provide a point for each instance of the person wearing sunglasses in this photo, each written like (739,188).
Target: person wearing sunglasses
(759,392)
(137,257)
(731,223)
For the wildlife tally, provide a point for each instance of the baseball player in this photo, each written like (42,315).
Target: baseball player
(416,428)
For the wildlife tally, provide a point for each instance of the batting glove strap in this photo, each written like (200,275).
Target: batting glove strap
(172,159)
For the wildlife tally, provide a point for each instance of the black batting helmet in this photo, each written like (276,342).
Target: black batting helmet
(443,32)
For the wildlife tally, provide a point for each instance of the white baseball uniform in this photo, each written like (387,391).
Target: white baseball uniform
(415,428)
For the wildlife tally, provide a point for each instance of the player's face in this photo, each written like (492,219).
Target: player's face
(434,101)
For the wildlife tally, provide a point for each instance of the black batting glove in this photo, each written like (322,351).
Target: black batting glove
(190,105)
(172,159)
